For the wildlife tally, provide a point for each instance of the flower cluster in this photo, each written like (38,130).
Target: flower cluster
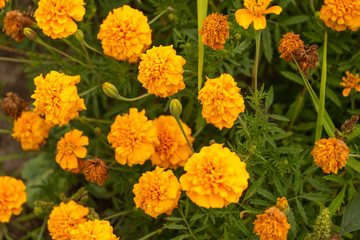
(14,24)
(215,30)
(93,230)
(288,44)
(350,82)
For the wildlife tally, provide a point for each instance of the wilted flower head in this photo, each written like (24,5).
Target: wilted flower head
(255,12)
(341,14)
(288,44)
(56,18)
(13,105)
(221,101)
(350,82)
(12,196)
(95,170)
(157,192)
(271,225)
(2,3)
(125,34)
(215,30)
(330,154)
(57,98)
(282,203)
(215,177)
(14,24)
(160,71)
(307,57)
(93,230)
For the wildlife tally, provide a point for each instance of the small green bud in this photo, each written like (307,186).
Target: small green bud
(30,34)
(39,211)
(237,37)
(110,90)
(79,35)
(92,215)
(97,131)
(317,14)
(175,108)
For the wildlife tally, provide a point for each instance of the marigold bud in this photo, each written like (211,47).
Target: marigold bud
(175,108)
(79,35)
(110,90)
(30,34)
(282,204)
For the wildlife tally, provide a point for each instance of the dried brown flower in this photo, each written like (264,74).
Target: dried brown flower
(215,30)
(14,24)
(288,44)
(95,170)
(347,128)
(307,57)
(13,105)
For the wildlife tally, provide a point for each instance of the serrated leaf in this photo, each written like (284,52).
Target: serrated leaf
(266,194)
(332,96)
(298,182)
(292,76)
(279,117)
(316,197)
(266,40)
(302,211)
(289,150)
(174,219)
(269,99)
(240,224)
(351,218)
(292,221)
(277,183)
(252,189)
(296,19)
(181,237)
(259,202)
(319,185)
(174,226)
(335,178)
(354,164)
(282,135)
(336,203)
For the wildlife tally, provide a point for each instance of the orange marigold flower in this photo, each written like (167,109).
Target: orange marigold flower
(341,14)
(71,147)
(13,105)
(221,101)
(64,218)
(12,196)
(2,3)
(125,34)
(271,225)
(56,97)
(288,44)
(330,154)
(133,136)
(14,24)
(215,30)
(95,170)
(350,82)
(160,71)
(215,177)
(255,12)
(31,130)
(56,18)
(157,192)
(93,230)
(172,150)
(282,204)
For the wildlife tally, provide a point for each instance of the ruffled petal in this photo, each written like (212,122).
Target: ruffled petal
(244,18)
(274,9)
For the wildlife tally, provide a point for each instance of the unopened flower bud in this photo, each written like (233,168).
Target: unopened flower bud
(79,35)
(282,204)
(110,90)
(237,37)
(97,131)
(30,34)
(175,108)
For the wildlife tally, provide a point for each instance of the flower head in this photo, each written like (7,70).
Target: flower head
(95,170)
(215,30)
(350,82)
(288,44)
(14,24)
(12,196)
(133,136)
(330,154)
(71,147)
(31,130)
(56,97)
(255,12)
(215,177)
(64,218)
(221,101)
(160,71)
(56,18)
(93,230)
(125,34)
(172,149)
(157,192)
(307,57)
(271,225)
(282,203)
(341,14)
(13,105)
(2,3)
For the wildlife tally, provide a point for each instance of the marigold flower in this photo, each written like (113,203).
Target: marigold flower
(2,3)
(56,97)
(282,203)
(172,150)
(125,34)
(56,18)
(215,177)
(221,101)
(93,230)
(330,154)
(288,44)
(271,225)
(95,170)
(215,30)
(31,130)
(160,71)
(350,82)
(341,14)
(307,57)
(14,24)
(64,218)
(256,9)
(13,105)
(133,136)
(71,147)
(157,192)
(12,196)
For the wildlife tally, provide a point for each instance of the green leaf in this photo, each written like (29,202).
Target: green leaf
(318,184)
(256,185)
(336,203)
(181,237)
(301,211)
(316,197)
(292,221)
(279,117)
(351,218)
(335,178)
(269,99)
(296,19)
(293,77)
(353,135)
(289,150)
(268,50)
(332,96)
(266,194)
(174,226)
(354,164)
(277,183)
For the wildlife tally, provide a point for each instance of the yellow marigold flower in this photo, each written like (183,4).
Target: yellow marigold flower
(31,130)
(93,230)
(288,44)
(221,101)
(282,204)
(56,97)
(172,150)
(341,14)
(56,18)
(215,177)
(330,154)
(160,71)
(133,136)
(2,3)
(215,30)
(64,218)
(12,196)
(157,192)
(271,225)
(71,147)
(350,82)
(14,24)
(125,34)
(255,12)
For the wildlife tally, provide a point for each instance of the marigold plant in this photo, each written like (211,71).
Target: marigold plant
(215,31)
(93,230)
(350,82)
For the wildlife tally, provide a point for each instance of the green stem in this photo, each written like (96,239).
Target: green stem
(72,46)
(352,100)
(187,224)
(320,119)
(199,130)
(92,49)
(5,131)
(132,99)
(158,231)
(41,233)
(86,119)
(354,155)
(297,107)
(183,132)
(159,15)
(256,66)
(89,60)
(89,90)
(202,6)
(19,60)
(244,126)
(118,214)
(355,56)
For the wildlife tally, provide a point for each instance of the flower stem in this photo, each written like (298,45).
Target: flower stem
(20,60)
(183,132)
(86,119)
(158,231)
(132,99)
(244,126)
(255,69)
(354,155)
(159,15)
(92,49)
(118,214)
(320,119)
(89,90)
(202,6)
(42,229)
(5,131)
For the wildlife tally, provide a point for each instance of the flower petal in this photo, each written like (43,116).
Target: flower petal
(244,18)
(274,9)
(259,23)
(346,92)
